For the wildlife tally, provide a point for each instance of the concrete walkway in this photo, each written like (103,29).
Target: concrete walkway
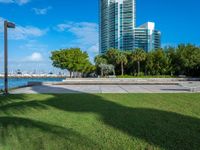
(101,89)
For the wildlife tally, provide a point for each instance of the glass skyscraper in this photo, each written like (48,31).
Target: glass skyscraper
(118,27)
(146,37)
(117,23)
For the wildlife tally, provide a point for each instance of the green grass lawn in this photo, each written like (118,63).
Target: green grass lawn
(101,121)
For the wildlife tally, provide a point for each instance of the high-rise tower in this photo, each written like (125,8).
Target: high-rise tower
(118,28)
(146,37)
(117,23)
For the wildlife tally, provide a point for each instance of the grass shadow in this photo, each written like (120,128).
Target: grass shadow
(165,129)
(32,134)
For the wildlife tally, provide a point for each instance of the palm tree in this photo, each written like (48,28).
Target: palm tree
(138,55)
(122,60)
(99,61)
(111,56)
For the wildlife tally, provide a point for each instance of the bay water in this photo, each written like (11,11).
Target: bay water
(16,82)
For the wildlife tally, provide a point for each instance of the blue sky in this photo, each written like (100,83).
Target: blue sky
(43,26)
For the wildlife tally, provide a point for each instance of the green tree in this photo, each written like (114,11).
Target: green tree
(189,56)
(150,63)
(111,55)
(174,60)
(138,55)
(122,60)
(73,59)
(158,63)
(107,69)
(88,68)
(182,60)
(61,59)
(99,61)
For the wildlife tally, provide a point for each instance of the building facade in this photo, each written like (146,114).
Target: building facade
(117,23)
(118,26)
(146,37)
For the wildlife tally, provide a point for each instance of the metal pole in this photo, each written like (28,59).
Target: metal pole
(6,57)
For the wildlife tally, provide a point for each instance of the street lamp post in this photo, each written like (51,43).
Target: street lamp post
(6,26)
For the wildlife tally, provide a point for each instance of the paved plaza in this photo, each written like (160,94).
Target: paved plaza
(101,89)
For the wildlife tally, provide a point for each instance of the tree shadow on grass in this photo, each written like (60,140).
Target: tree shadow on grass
(165,129)
(32,134)
(21,107)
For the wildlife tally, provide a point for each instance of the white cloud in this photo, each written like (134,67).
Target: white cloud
(6,1)
(21,32)
(34,57)
(42,11)
(25,32)
(19,2)
(94,49)
(33,45)
(1,24)
(86,36)
(85,32)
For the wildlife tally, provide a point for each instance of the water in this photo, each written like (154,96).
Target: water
(16,82)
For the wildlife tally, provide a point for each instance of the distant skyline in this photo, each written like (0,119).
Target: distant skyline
(43,26)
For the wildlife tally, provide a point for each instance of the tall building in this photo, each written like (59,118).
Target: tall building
(118,27)
(146,37)
(117,23)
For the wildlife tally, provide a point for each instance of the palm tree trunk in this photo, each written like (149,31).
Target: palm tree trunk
(70,74)
(101,72)
(122,69)
(138,67)
(114,72)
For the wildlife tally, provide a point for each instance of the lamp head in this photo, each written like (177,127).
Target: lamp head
(10,25)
